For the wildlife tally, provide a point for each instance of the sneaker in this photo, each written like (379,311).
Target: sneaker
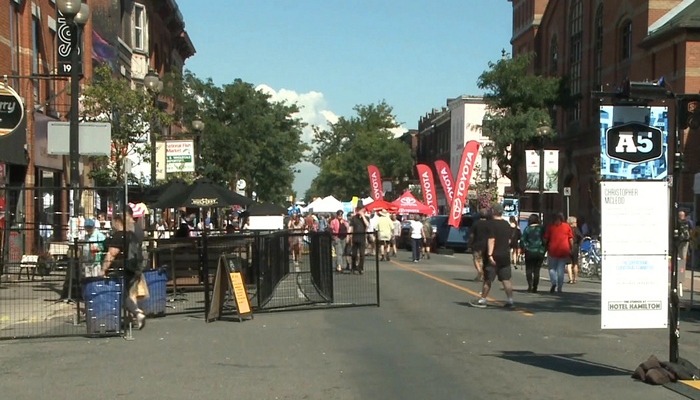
(481,303)
(509,304)
(140,321)
(415,261)
(553,288)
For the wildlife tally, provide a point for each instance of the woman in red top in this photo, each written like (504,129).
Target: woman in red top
(558,240)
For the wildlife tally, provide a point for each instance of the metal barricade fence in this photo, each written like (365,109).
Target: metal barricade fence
(44,255)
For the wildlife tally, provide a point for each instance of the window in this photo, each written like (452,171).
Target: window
(598,47)
(139,26)
(554,56)
(14,43)
(576,58)
(626,36)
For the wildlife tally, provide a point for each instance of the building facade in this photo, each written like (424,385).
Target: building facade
(442,136)
(130,36)
(596,45)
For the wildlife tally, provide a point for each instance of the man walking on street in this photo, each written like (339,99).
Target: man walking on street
(385,231)
(497,260)
(359,224)
(478,237)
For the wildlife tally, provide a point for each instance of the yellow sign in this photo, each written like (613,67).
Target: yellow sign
(240,293)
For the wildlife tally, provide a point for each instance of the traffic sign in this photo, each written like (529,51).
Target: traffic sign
(634,143)
(567,191)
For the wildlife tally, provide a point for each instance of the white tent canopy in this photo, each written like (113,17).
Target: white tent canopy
(328,205)
(367,200)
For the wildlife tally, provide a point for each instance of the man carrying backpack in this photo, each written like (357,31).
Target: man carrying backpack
(339,228)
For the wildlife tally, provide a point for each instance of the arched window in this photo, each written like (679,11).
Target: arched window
(598,47)
(554,56)
(576,58)
(626,40)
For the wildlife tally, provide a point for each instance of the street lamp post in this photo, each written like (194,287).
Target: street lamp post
(77,14)
(198,127)
(154,86)
(488,156)
(542,132)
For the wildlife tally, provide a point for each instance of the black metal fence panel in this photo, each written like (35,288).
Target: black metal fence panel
(49,284)
(298,270)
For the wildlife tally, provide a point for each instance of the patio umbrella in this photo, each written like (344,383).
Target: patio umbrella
(380,205)
(202,193)
(166,190)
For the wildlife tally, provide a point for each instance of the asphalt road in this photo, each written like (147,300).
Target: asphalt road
(424,342)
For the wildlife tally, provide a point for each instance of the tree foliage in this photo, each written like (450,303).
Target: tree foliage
(111,98)
(343,152)
(246,135)
(517,104)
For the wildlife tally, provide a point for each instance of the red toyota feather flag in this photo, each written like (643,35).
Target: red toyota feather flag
(375,183)
(445,174)
(427,183)
(464,176)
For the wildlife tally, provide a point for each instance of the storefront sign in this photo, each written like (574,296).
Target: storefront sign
(11,110)
(179,156)
(634,257)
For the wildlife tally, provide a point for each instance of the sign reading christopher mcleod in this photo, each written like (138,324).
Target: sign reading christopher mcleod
(635,266)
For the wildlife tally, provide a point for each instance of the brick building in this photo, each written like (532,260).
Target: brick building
(129,35)
(597,44)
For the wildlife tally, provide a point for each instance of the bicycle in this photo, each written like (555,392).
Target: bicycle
(590,261)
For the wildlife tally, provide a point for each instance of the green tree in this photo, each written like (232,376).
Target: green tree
(343,152)
(246,135)
(111,98)
(517,104)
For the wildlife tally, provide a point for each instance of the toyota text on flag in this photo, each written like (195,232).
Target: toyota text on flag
(375,182)
(428,186)
(464,174)
(446,179)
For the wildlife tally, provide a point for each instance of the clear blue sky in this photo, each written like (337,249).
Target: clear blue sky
(413,54)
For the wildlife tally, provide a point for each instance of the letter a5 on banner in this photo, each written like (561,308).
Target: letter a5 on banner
(428,185)
(445,174)
(375,183)
(464,176)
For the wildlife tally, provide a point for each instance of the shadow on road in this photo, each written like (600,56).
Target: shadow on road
(570,364)
(587,303)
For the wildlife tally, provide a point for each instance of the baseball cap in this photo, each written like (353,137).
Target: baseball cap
(497,209)
(89,223)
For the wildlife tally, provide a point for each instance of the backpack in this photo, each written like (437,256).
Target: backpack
(532,240)
(342,230)
(684,231)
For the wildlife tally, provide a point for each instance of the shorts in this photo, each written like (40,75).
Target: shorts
(503,272)
(385,242)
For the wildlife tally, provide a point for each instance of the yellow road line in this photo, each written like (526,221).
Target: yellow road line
(458,287)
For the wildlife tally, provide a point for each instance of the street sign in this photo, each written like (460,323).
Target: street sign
(567,191)
(95,138)
(634,143)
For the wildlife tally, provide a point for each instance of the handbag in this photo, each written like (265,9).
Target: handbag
(142,289)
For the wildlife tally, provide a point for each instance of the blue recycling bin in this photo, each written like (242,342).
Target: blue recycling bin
(103,305)
(154,305)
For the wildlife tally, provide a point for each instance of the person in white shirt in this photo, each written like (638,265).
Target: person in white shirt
(371,245)
(416,237)
(397,233)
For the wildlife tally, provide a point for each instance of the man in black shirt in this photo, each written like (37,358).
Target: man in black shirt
(358,224)
(478,237)
(497,258)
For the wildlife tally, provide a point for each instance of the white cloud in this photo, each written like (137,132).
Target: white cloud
(312,108)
